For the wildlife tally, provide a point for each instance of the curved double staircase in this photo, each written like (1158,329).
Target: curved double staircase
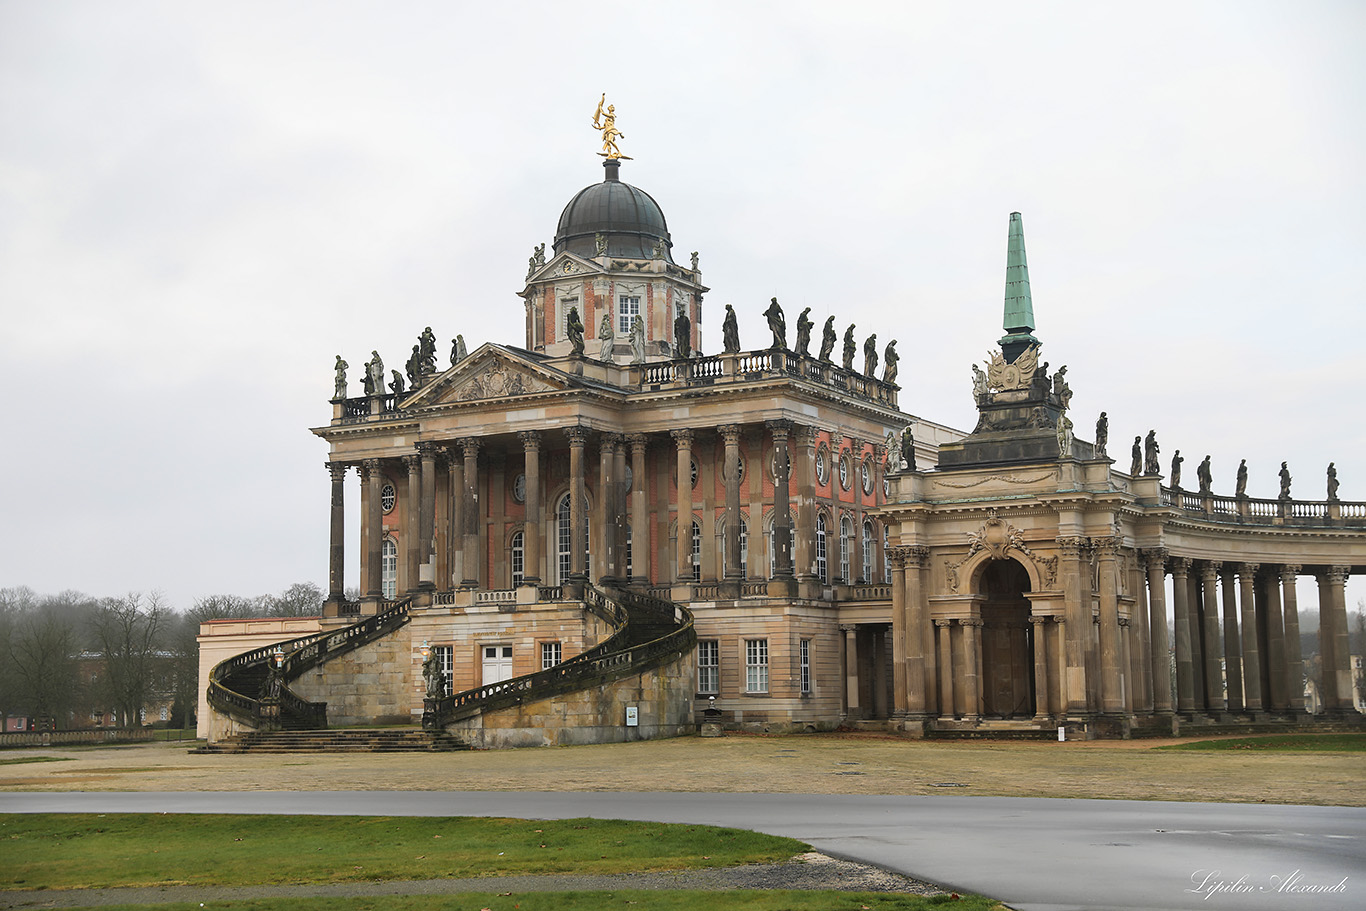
(251,690)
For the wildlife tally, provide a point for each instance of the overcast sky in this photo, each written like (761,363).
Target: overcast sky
(201,204)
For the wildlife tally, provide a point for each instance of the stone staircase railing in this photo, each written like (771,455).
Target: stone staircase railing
(647,632)
(245,688)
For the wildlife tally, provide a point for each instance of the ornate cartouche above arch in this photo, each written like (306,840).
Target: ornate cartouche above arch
(997,539)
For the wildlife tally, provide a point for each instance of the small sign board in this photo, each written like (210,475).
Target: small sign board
(632,716)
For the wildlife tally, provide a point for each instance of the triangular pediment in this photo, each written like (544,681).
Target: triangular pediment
(564,265)
(491,372)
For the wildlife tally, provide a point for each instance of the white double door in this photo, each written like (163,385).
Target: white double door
(497,663)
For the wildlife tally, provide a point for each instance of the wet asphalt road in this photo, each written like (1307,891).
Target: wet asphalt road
(1030,853)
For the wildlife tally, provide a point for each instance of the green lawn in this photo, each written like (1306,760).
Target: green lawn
(18,760)
(45,851)
(680,900)
(1286,743)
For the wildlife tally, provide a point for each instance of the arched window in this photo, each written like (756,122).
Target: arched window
(388,569)
(517,558)
(846,545)
(563,552)
(821,551)
(696,552)
(867,552)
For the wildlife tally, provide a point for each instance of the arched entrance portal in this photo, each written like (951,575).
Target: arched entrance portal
(1007,641)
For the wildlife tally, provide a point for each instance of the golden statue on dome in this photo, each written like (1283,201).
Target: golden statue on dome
(606,123)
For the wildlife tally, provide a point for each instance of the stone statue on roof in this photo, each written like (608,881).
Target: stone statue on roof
(682,334)
(599,244)
(374,375)
(804,324)
(413,365)
(458,352)
(908,447)
(573,328)
(1150,451)
(850,348)
(893,453)
(1332,481)
(870,355)
(339,382)
(1176,470)
(605,122)
(1136,464)
(1102,434)
(1206,476)
(427,343)
(1241,489)
(638,340)
(828,339)
(1064,432)
(730,332)
(608,339)
(694,260)
(396,384)
(1285,482)
(777,324)
(1060,387)
(891,358)
(980,385)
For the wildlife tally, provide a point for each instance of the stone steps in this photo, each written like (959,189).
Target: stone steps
(401,740)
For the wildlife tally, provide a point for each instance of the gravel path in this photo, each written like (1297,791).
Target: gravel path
(806,871)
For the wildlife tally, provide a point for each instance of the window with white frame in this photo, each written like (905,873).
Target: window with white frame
(756,665)
(550,655)
(846,543)
(708,667)
(822,552)
(388,569)
(518,558)
(867,552)
(628,311)
(387,497)
(804,663)
(696,552)
(563,536)
(445,662)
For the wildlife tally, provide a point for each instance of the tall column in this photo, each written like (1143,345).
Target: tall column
(640,527)
(730,474)
(412,525)
(1128,659)
(1214,683)
(879,673)
(945,668)
(805,534)
(1111,670)
(1185,678)
(1078,623)
(1276,697)
(1193,602)
(1252,659)
(851,669)
(1143,657)
(473,515)
(1233,659)
(920,658)
(578,497)
(336,552)
(1339,668)
(683,557)
(1155,560)
(620,494)
(1294,659)
(782,501)
(972,661)
(455,467)
(606,511)
(427,519)
(532,532)
(1040,665)
(373,479)
(901,672)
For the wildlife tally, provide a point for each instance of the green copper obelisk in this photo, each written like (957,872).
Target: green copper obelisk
(1019,310)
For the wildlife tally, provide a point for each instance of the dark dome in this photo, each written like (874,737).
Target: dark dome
(629,217)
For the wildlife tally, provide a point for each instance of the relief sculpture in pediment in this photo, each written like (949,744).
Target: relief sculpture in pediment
(499,382)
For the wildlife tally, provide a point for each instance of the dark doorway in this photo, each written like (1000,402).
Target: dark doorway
(1007,641)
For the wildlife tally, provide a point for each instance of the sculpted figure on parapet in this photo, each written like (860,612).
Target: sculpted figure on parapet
(427,344)
(804,324)
(1205,475)
(1150,451)
(891,357)
(1332,481)
(1064,437)
(828,339)
(1242,479)
(908,448)
(893,452)
(374,375)
(573,328)
(1285,482)
(979,383)
(870,355)
(1102,434)
(339,383)
(1060,387)
(1136,461)
(414,365)
(682,334)
(638,341)
(777,324)
(458,352)
(1176,470)
(730,332)
(850,348)
(396,384)
(608,340)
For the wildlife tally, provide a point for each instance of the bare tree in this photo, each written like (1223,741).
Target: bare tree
(42,652)
(127,632)
(302,599)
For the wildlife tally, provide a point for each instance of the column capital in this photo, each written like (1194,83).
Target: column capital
(805,434)
(1209,570)
(1106,546)
(470,446)
(610,441)
(427,449)
(970,621)
(336,469)
(1337,575)
(412,461)
(577,435)
(730,433)
(1248,570)
(897,556)
(638,441)
(1124,622)
(1039,619)
(779,429)
(1289,571)
(1181,566)
(683,438)
(943,624)
(918,555)
(531,440)
(1154,557)
(368,468)
(1071,545)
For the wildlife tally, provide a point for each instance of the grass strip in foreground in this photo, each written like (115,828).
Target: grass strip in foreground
(65,851)
(1282,743)
(632,900)
(20,760)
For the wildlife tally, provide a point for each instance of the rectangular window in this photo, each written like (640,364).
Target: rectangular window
(518,558)
(708,668)
(445,660)
(756,665)
(550,655)
(804,651)
(628,311)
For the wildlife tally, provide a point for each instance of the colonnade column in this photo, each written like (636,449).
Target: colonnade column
(782,501)
(640,528)
(620,512)
(606,511)
(471,512)
(901,652)
(1141,658)
(1276,696)
(972,661)
(455,468)
(532,529)
(945,668)
(1252,661)
(1127,660)
(920,670)
(1233,658)
(426,574)
(412,514)
(1333,627)
(1155,560)
(1078,624)
(805,536)
(1214,681)
(336,551)
(1039,622)
(851,669)
(1181,612)
(1111,670)
(373,479)
(730,474)
(879,681)
(578,520)
(683,555)
(1294,660)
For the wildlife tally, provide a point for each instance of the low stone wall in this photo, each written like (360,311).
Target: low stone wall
(53,738)
(663,699)
(375,684)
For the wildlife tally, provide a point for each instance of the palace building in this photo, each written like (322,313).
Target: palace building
(601,533)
